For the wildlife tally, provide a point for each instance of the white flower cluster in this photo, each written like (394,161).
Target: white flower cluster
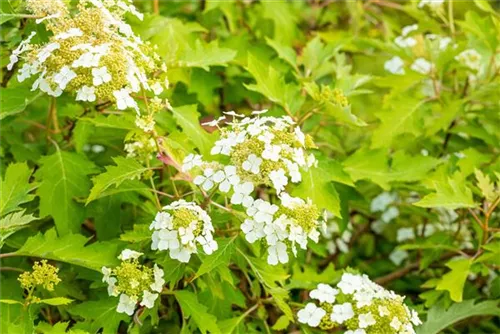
(267,151)
(262,150)
(360,306)
(180,227)
(470,58)
(282,227)
(133,282)
(396,64)
(336,241)
(93,53)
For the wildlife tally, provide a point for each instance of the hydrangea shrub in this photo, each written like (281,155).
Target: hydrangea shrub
(249,166)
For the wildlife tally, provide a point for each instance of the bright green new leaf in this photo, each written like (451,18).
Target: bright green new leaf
(317,184)
(187,118)
(284,52)
(402,116)
(271,84)
(450,194)
(70,248)
(206,322)
(454,281)
(12,223)
(125,169)
(63,178)
(207,55)
(487,187)
(438,318)
(15,187)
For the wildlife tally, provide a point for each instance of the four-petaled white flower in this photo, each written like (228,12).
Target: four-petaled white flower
(106,273)
(124,100)
(157,88)
(180,254)
(342,312)
(253,230)
(206,180)
(262,211)
(100,76)
(222,146)
(165,240)
(349,283)
(324,293)
(148,299)
(311,315)
(226,178)
(383,311)
(415,319)
(395,65)
(191,161)
(279,179)
(271,152)
(126,305)
(86,93)
(64,76)
(421,65)
(252,164)
(277,254)
(366,320)
(208,243)
(128,254)
(242,193)
(395,323)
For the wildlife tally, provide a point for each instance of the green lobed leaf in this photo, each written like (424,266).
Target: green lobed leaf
(15,187)
(317,184)
(438,318)
(125,169)
(454,281)
(206,322)
(70,248)
(100,314)
(450,194)
(63,177)
(218,258)
(187,118)
(12,223)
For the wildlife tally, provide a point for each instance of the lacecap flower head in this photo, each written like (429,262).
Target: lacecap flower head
(92,53)
(282,227)
(133,282)
(360,306)
(262,150)
(180,227)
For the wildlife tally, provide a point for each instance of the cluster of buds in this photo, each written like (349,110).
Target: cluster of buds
(359,305)
(92,53)
(180,227)
(133,282)
(262,152)
(43,275)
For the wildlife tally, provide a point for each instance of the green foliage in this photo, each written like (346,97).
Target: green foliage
(407,176)
(71,249)
(197,312)
(125,169)
(63,177)
(440,318)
